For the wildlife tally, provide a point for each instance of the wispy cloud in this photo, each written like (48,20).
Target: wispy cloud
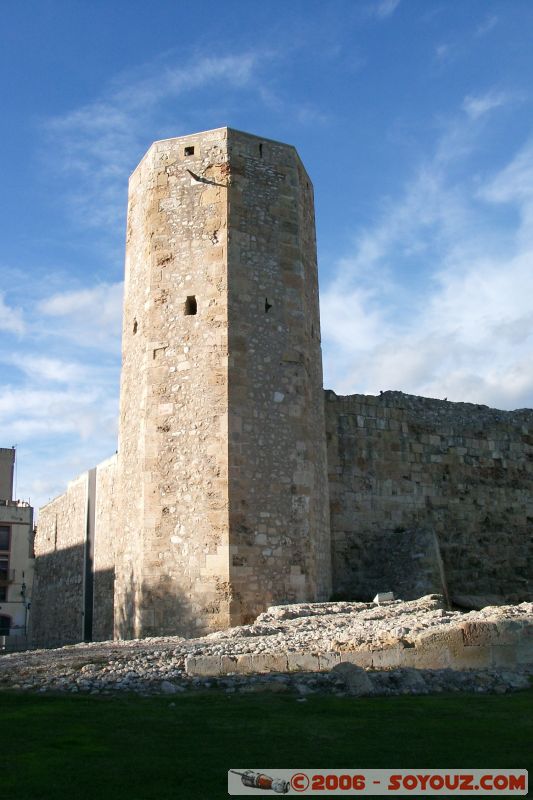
(45,369)
(463,326)
(91,317)
(445,52)
(487,25)
(101,141)
(11,319)
(60,385)
(384,8)
(477,106)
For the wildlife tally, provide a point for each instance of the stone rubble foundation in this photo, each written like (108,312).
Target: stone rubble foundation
(414,647)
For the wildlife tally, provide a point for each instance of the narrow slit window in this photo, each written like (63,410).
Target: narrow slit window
(261,150)
(268,305)
(191,306)
(189,151)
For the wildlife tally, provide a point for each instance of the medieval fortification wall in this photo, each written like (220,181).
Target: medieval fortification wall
(412,476)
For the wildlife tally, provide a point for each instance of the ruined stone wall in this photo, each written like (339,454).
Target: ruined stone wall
(106,525)
(58,585)
(399,463)
(279,531)
(74,562)
(172,547)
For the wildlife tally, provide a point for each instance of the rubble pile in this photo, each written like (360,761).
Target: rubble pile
(342,648)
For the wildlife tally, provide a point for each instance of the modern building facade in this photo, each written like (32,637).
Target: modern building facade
(16,558)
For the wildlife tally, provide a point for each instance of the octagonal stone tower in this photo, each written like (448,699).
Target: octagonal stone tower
(222,463)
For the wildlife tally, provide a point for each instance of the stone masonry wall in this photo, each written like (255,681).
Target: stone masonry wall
(398,463)
(106,524)
(172,567)
(279,530)
(187,560)
(61,594)
(57,603)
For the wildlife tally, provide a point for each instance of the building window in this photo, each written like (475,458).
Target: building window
(189,151)
(5,625)
(5,531)
(190,306)
(5,536)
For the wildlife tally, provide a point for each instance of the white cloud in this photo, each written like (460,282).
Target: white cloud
(11,319)
(91,317)
(463,328)
(43,368)
(478,106)
(487,25)
(384,8)
(27,411)
(514,183)
(49,426)
(102,141)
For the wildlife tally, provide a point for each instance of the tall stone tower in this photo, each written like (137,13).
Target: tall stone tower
(222,465)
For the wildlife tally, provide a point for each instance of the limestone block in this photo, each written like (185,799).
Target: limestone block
(430,658)
(362,658)
(241,664)
(504,655)
(444,639)
(303,662)
(388,657)
(203,665)
(525,650)
(269,662)
(478,633)
(327,661)
(473,657)
(509,631)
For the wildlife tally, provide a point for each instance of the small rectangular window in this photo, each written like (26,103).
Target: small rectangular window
(189,151)
(190,306)
(4,537)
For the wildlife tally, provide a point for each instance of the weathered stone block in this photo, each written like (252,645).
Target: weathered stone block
(386,658)
(203,665)
(327,661)
(525,650)
(303,662)
(504,655)
(472,657)
(478,633)
(238,663)
(269,662)
(430,658)
(361,658)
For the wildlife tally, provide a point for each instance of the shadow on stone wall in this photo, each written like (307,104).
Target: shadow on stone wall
(58,610)
(406,562)
(57,615)
(155,609)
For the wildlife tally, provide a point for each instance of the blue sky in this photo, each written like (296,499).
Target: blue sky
(414,120)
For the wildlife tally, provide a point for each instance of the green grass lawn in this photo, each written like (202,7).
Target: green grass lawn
(142,748)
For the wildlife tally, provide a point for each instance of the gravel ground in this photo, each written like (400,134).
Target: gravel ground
(157,665)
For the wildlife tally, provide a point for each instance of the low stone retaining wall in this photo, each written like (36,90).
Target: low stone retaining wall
(472,645)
